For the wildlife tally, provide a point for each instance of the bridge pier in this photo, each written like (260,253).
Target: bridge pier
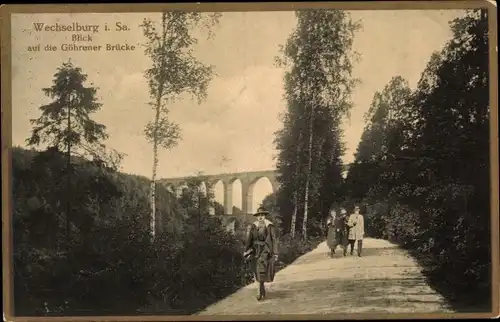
(228,197)
(246,197)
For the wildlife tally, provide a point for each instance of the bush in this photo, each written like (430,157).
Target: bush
(292,248)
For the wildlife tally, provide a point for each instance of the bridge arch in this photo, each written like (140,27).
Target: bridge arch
(250,195)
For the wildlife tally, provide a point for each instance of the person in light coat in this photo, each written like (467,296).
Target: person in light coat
(356,224)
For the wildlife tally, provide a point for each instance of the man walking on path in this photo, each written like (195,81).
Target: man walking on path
(261,248)
(356,224)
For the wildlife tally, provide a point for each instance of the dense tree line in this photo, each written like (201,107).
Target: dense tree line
(318,84)
(423,165)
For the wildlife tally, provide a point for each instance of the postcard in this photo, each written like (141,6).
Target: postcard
(250,161)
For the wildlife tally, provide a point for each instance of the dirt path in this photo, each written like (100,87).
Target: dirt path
(385,280)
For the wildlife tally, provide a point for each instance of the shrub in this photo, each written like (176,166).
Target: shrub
(292,248)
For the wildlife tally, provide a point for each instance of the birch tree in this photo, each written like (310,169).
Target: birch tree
(318,84)
(174,71)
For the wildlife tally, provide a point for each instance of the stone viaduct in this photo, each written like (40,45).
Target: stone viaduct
(247,179)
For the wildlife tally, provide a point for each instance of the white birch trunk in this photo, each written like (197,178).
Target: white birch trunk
(153,192)
(296,195)
(294,215)
(159,96)
(308,177)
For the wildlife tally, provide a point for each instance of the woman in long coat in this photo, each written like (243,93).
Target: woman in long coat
(337,231)
(343,230)
(331,234)
(261,248)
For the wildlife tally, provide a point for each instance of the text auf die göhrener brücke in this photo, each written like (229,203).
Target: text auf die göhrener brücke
(81,33)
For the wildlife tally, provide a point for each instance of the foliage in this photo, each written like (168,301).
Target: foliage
(65,122)
(318,85)
(270,204)
(382,141)
(292,248)
(427,162)
(218,209)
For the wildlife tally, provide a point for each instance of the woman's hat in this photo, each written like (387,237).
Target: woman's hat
(261,211)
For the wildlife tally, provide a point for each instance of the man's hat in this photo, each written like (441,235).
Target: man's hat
(261,211)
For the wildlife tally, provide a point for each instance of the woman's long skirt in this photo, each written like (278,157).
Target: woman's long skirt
(331,239)
(263,267)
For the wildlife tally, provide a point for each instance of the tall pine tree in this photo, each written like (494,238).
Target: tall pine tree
(65,124)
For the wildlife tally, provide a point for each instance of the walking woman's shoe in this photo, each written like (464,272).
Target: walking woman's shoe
(260,298)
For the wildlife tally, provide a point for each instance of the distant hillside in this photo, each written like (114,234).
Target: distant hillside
(135,188)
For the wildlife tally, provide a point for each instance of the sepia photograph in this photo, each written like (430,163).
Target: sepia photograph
(215,161)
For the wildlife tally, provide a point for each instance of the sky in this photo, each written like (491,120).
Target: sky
(238,119)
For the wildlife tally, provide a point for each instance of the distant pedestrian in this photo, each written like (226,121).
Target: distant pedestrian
(344,229)
(261,248)
(331,234)
(356,224)
(336,231)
